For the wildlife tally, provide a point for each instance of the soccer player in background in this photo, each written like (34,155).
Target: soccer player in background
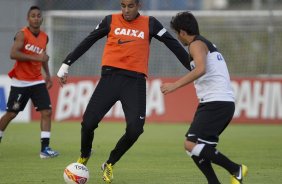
(29,51)
(124,72)
(216,100)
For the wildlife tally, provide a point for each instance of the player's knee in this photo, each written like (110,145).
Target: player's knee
(133,133)
(11,115)
(46,113)
(89,124)
(139,132)
(88,127)
(189,145)
(193,148)
(90,119)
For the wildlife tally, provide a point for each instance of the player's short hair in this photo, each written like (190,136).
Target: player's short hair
(185,21)
(137,1)
(33,8)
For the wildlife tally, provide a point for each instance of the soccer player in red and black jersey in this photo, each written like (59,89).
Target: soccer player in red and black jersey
(29,51)
(124,72)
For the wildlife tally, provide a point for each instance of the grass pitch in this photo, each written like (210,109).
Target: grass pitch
(158,156)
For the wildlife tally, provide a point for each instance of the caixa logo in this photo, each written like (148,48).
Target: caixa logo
(2,99)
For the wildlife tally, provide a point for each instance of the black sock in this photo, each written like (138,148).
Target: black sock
(206,168)
(87,138)
(216,157)
(44,143)
(0,139)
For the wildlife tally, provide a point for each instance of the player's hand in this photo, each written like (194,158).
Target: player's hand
(168,88)
(63,74)
(43,57)
(49,82)
(63,80)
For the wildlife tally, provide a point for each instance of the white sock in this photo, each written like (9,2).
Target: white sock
(1,133)
(45,134)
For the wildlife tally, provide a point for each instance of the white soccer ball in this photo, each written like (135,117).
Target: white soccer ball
(76,173)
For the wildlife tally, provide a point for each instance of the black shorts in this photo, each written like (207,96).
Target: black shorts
(210,120)
(19,97)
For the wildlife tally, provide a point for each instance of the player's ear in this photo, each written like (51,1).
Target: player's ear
(182,32)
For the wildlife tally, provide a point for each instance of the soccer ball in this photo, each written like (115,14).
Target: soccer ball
(76,173)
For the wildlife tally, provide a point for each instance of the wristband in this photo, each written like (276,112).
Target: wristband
(63,70)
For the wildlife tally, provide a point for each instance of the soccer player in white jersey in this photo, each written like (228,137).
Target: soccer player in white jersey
(216,100)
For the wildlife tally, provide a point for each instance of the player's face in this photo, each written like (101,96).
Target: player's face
(34,18)
(129,9)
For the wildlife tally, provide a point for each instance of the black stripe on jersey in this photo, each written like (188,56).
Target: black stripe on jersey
(209,44)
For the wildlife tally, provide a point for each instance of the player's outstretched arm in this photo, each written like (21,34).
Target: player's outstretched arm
(99,32)
(161,34)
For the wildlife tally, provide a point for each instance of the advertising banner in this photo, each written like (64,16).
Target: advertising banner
(5,85)
(258,100)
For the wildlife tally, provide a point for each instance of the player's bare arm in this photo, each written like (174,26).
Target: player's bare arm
(198,51)
(48,80)
(17,54)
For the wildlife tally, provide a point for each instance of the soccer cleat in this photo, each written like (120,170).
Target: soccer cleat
(84,160)
(48,153)
(239,176)
(107,170)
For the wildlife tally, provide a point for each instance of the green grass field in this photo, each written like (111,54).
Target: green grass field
(157,158)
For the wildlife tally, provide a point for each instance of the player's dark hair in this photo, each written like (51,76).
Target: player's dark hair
(137,1)
(33,8)
(185,21)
